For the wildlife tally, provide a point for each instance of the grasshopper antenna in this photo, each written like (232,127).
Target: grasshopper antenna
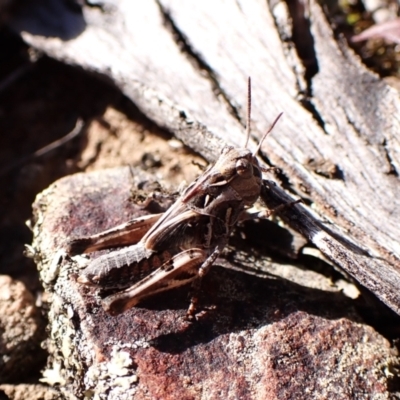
(266,134)
(248,122)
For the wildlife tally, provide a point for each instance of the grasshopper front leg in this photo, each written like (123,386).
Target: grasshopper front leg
(264,214)
(196,285)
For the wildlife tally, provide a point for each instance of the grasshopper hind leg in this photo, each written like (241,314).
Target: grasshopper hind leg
(180,270)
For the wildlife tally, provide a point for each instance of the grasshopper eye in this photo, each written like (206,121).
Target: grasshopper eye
(243,166)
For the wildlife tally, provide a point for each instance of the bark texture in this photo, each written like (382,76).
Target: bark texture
(185,65)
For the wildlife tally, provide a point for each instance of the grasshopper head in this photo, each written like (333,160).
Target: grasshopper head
(238,168)
(233,182)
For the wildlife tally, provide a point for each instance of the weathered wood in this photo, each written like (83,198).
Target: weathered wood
(185,65)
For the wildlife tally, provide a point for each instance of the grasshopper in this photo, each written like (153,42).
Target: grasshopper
(179,246)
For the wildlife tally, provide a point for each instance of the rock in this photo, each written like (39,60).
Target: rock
(31,392)
(259,337)
(21,331)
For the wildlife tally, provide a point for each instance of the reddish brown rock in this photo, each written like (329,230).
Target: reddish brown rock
(258,337)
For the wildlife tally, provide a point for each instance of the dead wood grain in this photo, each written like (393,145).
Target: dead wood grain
(185,65)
